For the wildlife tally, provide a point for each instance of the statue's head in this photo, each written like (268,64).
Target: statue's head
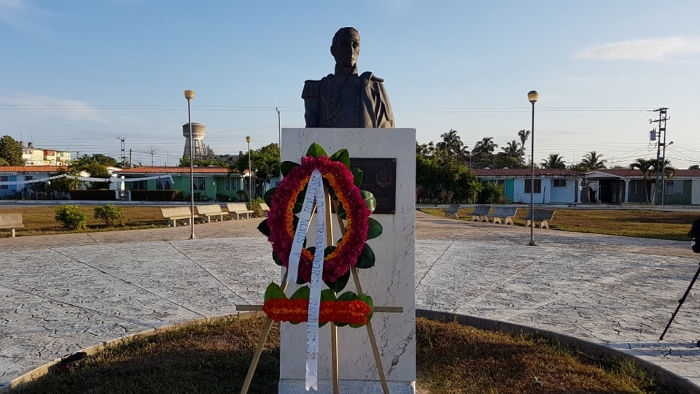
(346,46)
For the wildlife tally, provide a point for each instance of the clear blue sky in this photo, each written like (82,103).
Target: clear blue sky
(78,75)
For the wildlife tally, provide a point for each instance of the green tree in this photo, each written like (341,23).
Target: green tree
(553,161)
(10,152)
(265,161)
(451,143)
(646,166)
(593,161)
(482,154)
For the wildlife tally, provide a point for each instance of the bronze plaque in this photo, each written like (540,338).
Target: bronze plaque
(379,179)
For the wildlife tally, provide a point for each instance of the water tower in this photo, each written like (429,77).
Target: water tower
(198,133)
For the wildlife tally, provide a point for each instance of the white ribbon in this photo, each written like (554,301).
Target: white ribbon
(314,194)
(315,293)
(307,209)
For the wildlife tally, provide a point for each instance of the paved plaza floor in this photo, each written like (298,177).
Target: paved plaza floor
(63,293)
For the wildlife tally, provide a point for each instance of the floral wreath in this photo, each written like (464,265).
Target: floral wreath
(354,205)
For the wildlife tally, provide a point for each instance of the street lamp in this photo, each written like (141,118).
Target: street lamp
(189,95)
(279,136)
(250,173)
(532,96)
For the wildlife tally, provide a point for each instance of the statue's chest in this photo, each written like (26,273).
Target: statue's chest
(341,102)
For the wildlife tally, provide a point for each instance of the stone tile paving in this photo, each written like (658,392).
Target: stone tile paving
(60,294)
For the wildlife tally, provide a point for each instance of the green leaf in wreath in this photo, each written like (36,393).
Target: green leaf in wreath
(341,212)
(315,150)
(366,258)
(268,196)
(287,166)
(276,259)
(369,200)
(342,156)
(357,174)
(299,203)
(273,292)
(301,293)
(347,296)
(264,228)
(339,284)
(327,295)
(375,229)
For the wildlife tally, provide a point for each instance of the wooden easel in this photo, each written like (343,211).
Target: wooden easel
(334,329)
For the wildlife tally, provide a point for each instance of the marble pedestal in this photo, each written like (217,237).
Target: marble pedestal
(390,282)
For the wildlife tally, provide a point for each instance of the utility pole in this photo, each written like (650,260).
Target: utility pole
(123,146)
(660,152)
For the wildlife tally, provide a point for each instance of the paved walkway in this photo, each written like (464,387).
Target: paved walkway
(63,293)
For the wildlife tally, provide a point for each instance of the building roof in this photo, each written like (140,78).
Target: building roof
(554,173)
(523,172)
(32,168)
(175,170)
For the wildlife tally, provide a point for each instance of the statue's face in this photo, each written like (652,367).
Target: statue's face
(346,48)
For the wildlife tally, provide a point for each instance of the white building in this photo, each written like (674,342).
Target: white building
(44,157)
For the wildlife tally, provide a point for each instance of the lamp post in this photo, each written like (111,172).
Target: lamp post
(279,136)
(189,95)
(250,173)
(532,96)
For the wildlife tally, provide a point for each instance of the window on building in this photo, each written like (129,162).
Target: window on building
(199,183)
(674,187)
(163,184)
(637,187)
(538,186)
(230,184)
(559,183)
(139,185)
(4,178)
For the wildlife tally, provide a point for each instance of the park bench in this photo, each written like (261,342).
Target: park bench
(451,211)
(264,208)
(541,215)
(480,212)
(11,221)
(209,210)
(505,213)
(238,209)
(173,214)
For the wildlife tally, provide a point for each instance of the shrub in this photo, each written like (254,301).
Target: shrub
(491,193)
(254,206)
(112,215)
(71,217)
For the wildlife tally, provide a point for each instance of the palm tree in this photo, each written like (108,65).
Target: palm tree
(483,152)
(523,135)
(554,161)
(646,167)
(649,169)
(593,161)
(513,149)
(451,143)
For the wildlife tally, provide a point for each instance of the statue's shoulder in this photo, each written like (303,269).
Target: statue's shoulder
(312,87)
(369,76)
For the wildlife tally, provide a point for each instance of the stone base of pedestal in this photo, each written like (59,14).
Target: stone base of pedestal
(296,386)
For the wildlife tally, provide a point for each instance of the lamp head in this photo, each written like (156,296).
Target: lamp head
(247,139)
(532,96)
(189,94)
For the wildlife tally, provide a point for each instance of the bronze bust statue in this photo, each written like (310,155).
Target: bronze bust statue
(345,99)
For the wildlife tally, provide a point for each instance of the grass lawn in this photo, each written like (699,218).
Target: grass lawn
(214,358)
(40,220)
(672,225)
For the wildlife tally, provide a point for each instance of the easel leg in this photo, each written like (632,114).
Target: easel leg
(261,343)
(334,349)
(372,339)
